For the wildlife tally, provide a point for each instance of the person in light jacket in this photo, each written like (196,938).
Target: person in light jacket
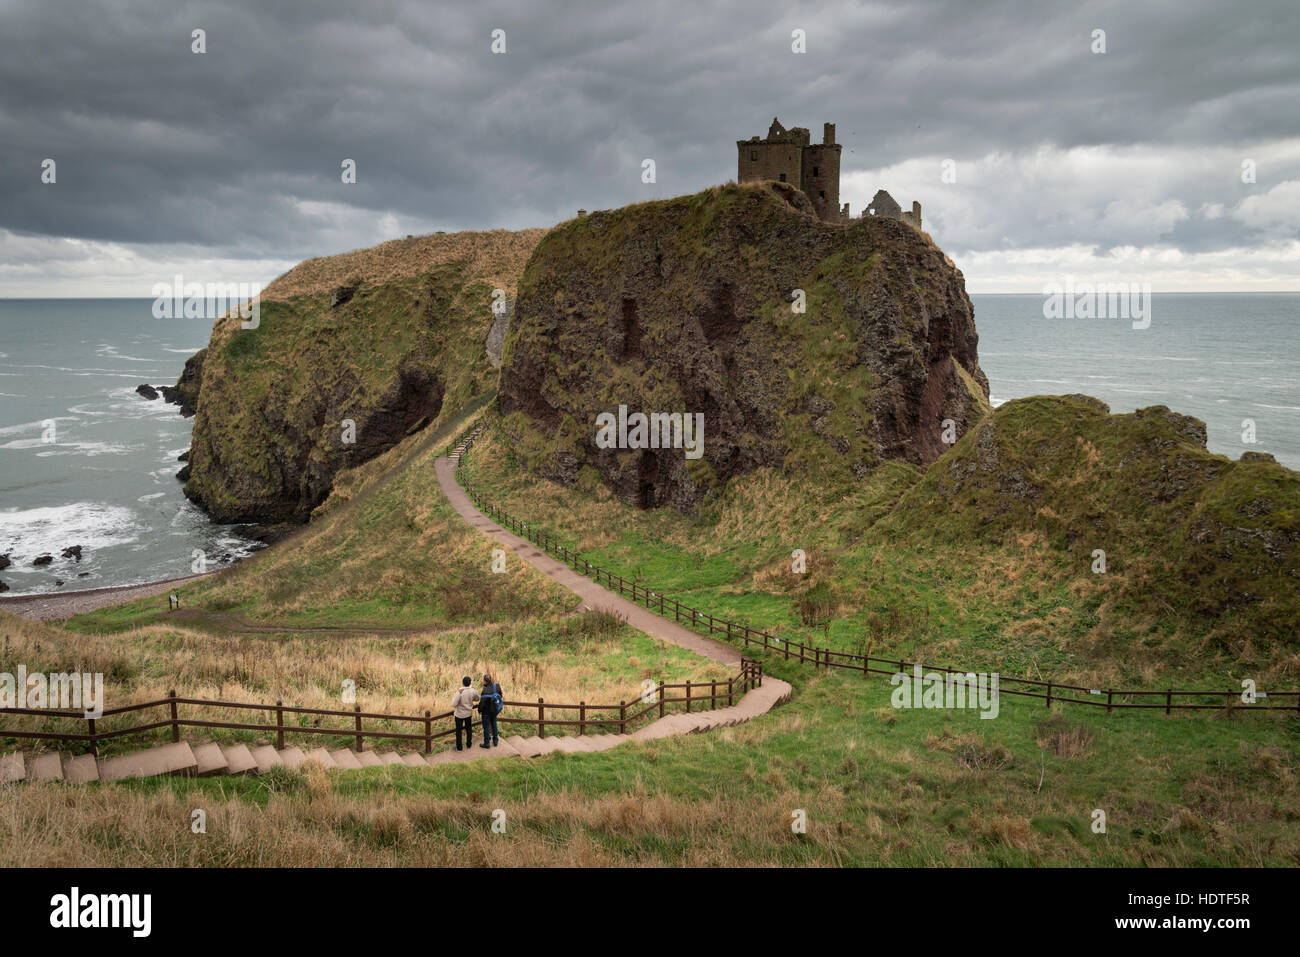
(462,707)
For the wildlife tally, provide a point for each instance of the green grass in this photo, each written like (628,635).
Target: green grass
(943,566)
(879,786)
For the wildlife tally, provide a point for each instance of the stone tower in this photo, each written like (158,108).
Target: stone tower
(789,156)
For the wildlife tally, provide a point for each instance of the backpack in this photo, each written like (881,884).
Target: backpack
(490,704)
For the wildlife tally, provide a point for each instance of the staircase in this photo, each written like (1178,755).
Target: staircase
(211,759)
(464,446)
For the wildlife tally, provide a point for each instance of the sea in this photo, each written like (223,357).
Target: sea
(84,460)
(105,478)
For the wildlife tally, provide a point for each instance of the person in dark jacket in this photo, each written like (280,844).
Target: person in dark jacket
(489,706)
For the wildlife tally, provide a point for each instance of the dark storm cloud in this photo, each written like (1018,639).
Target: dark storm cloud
(238,151)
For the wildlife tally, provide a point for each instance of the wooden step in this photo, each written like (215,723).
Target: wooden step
(368,759)
(292,757)
(266,757)
(528,747)
(239,760)
(210,760)
(414,760)
(449,756)
(47,767)
(322,757)
(81,769)
(391,757)
(12,768)
(544,745)
(174,758)
(346,760)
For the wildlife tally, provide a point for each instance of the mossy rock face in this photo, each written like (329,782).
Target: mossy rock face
(686,306)
(279,402)
(1216,541)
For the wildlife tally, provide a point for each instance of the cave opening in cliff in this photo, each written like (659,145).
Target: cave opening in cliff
(647,470)
(631,330)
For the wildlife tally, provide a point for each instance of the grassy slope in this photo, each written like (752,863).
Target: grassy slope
(948,566)
(879,786)
(388,586)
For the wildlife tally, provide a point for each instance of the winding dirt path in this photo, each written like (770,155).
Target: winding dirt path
(758,701)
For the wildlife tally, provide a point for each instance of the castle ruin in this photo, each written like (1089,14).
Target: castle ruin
(789,156)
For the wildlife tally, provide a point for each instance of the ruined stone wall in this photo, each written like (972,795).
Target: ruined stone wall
(821,180)
(758,161)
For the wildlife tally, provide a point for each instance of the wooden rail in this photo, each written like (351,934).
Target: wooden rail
(652,701)
(736,632)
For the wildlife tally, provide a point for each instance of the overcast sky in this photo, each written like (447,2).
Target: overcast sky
(226,165)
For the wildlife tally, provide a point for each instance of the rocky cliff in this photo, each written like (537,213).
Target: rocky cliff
(352,353)
(823,348)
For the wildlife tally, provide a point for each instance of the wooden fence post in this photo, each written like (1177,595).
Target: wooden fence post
(1108,694)
(357,709)
(661,696)
(622,717)
(713,694)
(541,718)
(730,682)
(1049,694)
(688,695)
(279,724)
(176,728)
(1169,700)
(428,734)
(582,717)
(94,744)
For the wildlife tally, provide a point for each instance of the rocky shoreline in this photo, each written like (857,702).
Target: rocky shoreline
(58,607)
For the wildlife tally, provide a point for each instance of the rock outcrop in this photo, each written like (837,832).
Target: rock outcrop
(351,354)
(692,305)
(186,391)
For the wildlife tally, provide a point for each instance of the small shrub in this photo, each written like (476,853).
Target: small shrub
(1063,739)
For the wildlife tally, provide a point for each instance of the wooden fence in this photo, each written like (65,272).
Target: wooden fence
(582,718)
(1048,691)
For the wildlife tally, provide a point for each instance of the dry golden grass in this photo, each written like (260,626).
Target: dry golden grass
(306,825)
(1063,739)
(403,674)
(495,256)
